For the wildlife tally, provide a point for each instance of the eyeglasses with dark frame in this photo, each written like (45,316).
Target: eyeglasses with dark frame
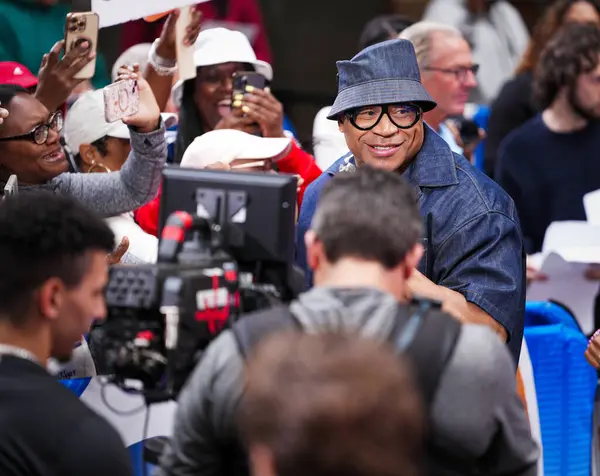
(460,73)
(39,134)
(402,115)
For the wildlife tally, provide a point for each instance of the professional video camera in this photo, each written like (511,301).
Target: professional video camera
(233,255)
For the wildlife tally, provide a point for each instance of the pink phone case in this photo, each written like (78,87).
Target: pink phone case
(121,99)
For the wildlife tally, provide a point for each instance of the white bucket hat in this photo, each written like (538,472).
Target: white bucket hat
(218,46)
(227,145)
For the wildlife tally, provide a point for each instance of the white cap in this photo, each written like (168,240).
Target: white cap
(220,45)
(227,145)
(85,122)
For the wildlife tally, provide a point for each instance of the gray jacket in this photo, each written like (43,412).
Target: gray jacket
(111,194)
(477,413)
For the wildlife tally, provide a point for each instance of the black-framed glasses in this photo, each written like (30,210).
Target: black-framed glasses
(460,72)
(39,134)
(403,115)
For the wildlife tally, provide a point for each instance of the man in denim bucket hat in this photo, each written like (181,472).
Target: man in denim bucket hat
(473,261)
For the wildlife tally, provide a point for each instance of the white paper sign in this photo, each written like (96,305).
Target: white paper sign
(567,284)
(115,12)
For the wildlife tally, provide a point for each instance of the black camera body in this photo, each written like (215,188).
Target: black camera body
(161,317)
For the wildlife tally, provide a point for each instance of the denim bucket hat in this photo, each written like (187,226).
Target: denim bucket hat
(384,73)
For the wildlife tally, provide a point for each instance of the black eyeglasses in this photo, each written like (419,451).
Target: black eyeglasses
(39,134)
(403,116)
(460,73)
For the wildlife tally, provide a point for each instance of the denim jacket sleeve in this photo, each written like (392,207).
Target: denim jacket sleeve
(489,270)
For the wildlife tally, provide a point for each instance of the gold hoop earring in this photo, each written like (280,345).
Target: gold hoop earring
(96,164)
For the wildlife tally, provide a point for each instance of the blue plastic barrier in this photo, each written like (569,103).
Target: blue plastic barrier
(481,119)
(565,385)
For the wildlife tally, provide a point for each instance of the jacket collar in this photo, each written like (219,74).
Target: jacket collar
(432,167)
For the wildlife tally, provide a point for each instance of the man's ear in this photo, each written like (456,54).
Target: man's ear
(89,155)
(413,257)
(50,298)
(341,124)
(314,250)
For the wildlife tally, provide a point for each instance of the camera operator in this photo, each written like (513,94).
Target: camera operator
(54,270)
(362,261)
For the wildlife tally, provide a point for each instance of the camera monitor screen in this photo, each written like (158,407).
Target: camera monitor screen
(266,221)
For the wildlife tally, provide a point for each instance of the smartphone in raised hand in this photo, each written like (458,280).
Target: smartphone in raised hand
(80,27)
(241,79)
(121,99)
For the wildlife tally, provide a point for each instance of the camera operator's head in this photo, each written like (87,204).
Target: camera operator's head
(54,270)
(353,236)
(314,405)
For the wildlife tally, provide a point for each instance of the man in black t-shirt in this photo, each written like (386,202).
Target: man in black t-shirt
(54,270)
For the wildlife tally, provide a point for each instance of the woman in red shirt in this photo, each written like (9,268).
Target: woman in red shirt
(206,103)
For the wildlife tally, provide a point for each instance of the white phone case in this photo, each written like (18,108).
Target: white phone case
(121,99)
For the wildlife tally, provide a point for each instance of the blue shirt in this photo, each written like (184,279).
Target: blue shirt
(547,174)
(447,135)
(473,243)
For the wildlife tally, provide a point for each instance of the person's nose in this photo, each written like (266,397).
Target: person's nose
(227,85)
(101,311)
(385,127)
(53,136)
(470,80)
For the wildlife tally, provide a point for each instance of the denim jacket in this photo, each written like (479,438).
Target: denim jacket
(473,242)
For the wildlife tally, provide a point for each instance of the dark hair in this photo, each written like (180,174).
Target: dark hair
(545,28)
(370,214)
(382,28)
(190,122)
(573,51)
(43,235)
(222,7)
(100,145)
(316,402)
(8,92)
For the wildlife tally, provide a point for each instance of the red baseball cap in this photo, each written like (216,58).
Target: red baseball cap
(15,73)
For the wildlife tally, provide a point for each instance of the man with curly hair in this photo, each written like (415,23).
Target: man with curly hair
(550,162)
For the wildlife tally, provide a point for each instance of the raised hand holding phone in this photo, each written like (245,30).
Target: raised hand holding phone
(59,77)
(147,118)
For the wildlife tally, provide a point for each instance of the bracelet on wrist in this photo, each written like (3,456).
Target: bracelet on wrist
(162,66)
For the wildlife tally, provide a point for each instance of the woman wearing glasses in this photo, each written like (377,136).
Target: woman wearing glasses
(30,149)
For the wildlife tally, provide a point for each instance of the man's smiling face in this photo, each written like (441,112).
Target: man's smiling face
(386,146)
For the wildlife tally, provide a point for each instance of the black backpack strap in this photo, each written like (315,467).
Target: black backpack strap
(428,337)
(251,329)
